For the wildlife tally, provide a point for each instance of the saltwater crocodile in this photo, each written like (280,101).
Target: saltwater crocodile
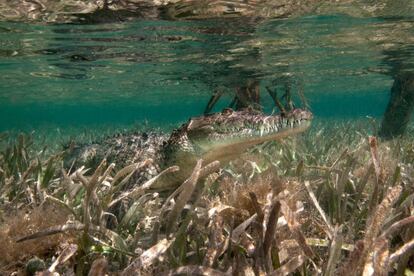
(220,136)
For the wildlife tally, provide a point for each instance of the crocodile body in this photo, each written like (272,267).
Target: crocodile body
(220,136)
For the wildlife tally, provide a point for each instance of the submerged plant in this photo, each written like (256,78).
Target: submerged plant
(329,202)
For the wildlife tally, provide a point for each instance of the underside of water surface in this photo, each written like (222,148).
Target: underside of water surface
(160,73)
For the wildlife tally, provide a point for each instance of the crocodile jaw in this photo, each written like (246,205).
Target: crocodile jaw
(228,151)
(227,134)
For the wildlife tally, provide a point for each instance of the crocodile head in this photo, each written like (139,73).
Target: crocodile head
(222,136)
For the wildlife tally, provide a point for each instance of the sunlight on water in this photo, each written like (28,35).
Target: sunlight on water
(120,74)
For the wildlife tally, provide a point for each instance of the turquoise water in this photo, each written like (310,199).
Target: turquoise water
(162,72)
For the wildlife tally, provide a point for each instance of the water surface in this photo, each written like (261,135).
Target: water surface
(163,72)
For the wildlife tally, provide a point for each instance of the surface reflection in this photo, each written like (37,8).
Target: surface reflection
(332,61)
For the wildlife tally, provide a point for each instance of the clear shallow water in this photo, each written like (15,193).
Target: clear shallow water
(162,72)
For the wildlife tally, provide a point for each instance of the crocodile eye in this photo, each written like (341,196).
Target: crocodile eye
(227,111)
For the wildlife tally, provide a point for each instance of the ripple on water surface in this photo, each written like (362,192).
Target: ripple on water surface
(164,72)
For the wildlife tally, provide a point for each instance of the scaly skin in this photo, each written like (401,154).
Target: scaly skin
(220,136)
